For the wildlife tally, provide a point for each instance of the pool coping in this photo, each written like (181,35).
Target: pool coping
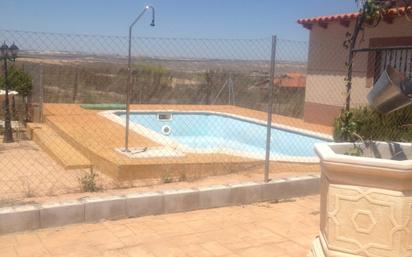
(174,144)
(95,209)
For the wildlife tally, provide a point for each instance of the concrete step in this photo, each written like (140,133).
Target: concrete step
(56,147)
(31,126)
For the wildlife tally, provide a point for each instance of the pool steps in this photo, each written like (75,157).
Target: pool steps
(56,147)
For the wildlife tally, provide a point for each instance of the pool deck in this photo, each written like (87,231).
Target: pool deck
(284,229)
(96,137)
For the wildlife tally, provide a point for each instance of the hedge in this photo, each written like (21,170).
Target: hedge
(371,125)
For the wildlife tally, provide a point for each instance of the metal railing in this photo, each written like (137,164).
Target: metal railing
(398,57)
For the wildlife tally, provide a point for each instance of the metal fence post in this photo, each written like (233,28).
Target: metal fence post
(76,84)
(41,93)
(270,104)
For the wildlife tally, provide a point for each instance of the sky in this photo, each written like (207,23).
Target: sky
(247,19)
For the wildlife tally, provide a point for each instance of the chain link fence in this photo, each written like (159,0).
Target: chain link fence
(199,112)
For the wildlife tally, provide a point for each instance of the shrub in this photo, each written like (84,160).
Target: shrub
(371,125)
(166,179)
(88,182)
(20,81)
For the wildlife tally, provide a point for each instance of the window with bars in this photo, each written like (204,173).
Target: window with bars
(398,58)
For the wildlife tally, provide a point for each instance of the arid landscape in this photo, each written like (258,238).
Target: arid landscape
(76,78)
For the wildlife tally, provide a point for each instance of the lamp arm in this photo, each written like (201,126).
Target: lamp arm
(137,18)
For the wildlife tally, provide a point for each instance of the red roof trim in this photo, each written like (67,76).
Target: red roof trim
(345,17)
(330,18)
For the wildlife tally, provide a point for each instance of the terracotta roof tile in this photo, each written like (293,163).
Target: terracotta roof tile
(346,16)
(291,80)
(329,18)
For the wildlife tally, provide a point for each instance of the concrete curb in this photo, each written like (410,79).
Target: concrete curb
(29,217)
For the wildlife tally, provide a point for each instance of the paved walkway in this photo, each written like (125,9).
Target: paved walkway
(265,229)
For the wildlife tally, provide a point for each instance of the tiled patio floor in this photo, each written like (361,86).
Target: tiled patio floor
(264,229)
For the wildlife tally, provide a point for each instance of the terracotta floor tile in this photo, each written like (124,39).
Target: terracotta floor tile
(115,253)
(292,249)
(172,230)
(109,245)
(138,251)
(32,251)
(268,250)
(239,245)
(192,239)
(92,227)
(75,250)
(60,237)
(216,248)
(196,251)
(119,230)
(27,238)
(284,229)
(165,249)
(221,236)
(7,241)
(139,227)
(304,241)
(202,225)
(129,241)
(8,252)
(150,237)
(100,237)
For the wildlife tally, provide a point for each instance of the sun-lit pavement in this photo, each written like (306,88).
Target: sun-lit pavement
(265,229)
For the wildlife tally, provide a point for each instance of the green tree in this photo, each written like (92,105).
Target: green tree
(22,83)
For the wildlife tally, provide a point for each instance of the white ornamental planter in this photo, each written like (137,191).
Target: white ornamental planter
(366,202)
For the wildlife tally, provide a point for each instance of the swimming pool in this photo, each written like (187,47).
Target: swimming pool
(209,132)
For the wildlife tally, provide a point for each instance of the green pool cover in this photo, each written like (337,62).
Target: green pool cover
(103,106)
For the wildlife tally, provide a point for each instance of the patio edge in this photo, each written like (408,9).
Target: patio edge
(37,216)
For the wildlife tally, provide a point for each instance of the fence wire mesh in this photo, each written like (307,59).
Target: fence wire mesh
(198,112)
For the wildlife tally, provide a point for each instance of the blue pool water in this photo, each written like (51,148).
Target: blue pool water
(213,132)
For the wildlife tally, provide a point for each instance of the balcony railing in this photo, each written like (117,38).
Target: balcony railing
(400,58)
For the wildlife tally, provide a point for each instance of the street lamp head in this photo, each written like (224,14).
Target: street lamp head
(4,49)
(153,15)
(14,50)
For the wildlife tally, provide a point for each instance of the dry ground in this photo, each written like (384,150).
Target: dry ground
(29,175)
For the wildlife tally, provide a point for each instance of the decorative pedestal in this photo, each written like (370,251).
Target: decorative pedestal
(366,202)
